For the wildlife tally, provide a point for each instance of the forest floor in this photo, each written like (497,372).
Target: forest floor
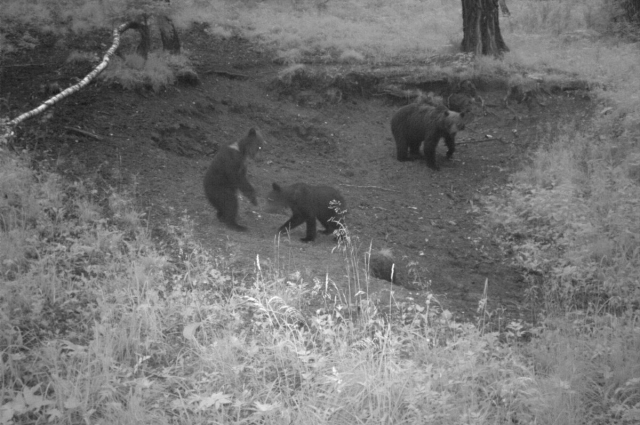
(159,145)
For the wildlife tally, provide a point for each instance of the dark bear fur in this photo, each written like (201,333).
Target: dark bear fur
(308,204)
(228,173)
(423,122)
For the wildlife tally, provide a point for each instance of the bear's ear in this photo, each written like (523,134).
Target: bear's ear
(252,131)
(446,113)
(276,187)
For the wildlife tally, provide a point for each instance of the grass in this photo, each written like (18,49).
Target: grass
(156,72)
(99,324)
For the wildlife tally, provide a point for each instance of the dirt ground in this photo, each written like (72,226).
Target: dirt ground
(164,141)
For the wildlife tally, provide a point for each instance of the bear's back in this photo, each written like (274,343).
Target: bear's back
(308,199)
(326,198)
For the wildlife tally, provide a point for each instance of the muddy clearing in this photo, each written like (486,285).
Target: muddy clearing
(163,143)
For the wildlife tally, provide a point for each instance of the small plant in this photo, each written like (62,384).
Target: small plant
(157,72)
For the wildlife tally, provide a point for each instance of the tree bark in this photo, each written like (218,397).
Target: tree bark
(481,28)
(142,26)
(504,8)
(168,35)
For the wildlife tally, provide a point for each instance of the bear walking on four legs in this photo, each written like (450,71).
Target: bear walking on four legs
(228,173)
(308,204)
(422,122)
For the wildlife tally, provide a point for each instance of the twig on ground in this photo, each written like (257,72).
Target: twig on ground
(497,139)
(84,133)
(227,74)
(368,187)
(26,65)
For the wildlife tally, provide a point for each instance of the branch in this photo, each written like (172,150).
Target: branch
(227,74)
(26,65)
(499,139)
(368,187)
(6,129)
(83,133)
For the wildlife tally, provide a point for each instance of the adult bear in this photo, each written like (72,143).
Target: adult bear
(228,173)
(418,122)
(308,204)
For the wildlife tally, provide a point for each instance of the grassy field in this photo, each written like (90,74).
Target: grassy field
(99,325)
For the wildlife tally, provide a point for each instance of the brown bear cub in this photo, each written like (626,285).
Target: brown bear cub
(228,173)
(308,204)
(423,122)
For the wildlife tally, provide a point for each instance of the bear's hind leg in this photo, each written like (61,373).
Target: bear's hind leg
(414,150)
(295,221)
(330,225)
(451,144)
(401,148)
(235,226)
(229,210)
(311,230)
(430,152)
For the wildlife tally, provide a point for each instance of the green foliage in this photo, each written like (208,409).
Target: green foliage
(98,325)
(588,369)
(76,298)
(559,17)
(334,31)
(571,216)
(77,15)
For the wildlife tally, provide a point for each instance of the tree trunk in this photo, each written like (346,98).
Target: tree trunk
(168,35)
(481,28)
(142,26)
(504,8)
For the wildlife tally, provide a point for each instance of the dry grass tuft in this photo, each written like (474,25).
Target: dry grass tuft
(157,72)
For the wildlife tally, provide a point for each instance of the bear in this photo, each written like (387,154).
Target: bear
(308,204)
(423,122)
(228,173)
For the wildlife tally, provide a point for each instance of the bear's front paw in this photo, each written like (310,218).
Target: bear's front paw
(435,167)
(306,239)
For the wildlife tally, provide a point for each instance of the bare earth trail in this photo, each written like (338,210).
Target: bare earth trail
(165,141)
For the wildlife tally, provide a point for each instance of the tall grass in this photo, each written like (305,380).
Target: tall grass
(571,216)
(99,326)
(378,30)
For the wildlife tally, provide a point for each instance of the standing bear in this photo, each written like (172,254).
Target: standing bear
(418,122)
(308,204)
(228,173)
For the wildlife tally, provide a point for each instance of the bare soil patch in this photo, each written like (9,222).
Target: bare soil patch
(164,141)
